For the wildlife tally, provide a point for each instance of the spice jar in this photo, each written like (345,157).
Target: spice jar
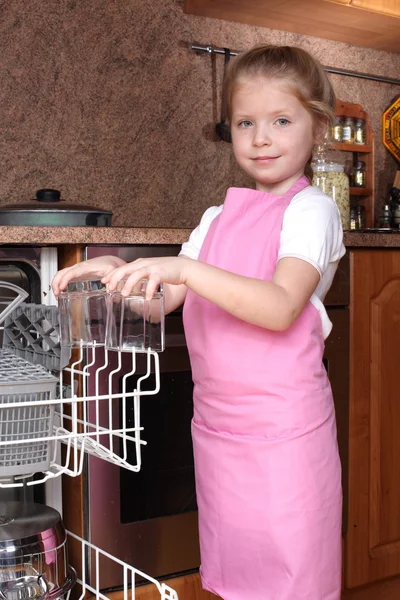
(348,130)
(385,218)
(359,132)
(337,129)
(360,216)
(359,175)
(333,181)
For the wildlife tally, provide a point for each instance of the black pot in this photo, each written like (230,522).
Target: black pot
(49,209)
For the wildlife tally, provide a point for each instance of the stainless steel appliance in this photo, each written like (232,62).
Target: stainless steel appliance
(33,553)
(149,518)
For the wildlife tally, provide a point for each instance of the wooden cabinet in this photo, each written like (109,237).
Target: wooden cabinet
(310,17)
(372,544)
(385,7)
(365,152)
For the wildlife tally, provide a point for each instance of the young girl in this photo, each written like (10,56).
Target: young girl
(253,277)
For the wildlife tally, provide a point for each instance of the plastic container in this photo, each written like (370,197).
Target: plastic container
(31,331)
(333,181)
(134,323)
(83,314)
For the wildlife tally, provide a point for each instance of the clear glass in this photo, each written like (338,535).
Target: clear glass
(134,322)
(83,314)
(333,181)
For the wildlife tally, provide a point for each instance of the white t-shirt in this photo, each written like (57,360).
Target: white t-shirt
(311,231)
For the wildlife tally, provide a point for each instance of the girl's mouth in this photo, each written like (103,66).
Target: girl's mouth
(264,158)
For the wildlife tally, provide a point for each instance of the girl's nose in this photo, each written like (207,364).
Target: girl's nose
(261,136)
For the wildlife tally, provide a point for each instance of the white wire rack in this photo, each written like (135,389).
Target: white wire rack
(89,574)
(91,413)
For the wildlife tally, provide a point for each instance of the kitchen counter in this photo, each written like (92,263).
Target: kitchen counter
(54,236)
(372,239)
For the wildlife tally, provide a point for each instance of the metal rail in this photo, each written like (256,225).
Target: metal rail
(345,72)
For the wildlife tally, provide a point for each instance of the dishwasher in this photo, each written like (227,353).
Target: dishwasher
(55,411)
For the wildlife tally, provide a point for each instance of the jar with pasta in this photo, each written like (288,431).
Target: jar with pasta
(333,181)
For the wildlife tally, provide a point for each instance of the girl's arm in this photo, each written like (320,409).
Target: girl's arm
(271,304)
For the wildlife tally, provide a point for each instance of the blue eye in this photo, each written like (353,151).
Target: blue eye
(282,122)
(245,124)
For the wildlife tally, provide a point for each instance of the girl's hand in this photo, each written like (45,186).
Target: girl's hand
(95,268)
(172,270)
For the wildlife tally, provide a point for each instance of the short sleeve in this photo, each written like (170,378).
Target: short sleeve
(312,230)
(192,247)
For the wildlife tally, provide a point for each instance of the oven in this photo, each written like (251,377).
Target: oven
(149,518)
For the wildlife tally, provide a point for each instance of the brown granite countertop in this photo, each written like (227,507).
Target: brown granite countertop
(365,239)
(52,236)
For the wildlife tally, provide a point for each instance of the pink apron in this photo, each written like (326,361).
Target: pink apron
(267,467)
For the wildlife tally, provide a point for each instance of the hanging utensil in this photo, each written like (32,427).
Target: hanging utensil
(222,129)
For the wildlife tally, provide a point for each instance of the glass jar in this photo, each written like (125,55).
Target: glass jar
(360,216)
(386,217)
(333,181)
(353,218)
(348,130)
(359,174)
(359,132)
(337,129)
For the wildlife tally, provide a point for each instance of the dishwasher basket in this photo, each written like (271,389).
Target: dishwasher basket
(29,331)
(21,381)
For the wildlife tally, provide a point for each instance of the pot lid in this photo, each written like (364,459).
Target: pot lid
(49,200)
(21,520)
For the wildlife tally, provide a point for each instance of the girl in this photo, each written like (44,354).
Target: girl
(253,276)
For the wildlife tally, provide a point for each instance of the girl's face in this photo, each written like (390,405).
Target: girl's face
(272,133)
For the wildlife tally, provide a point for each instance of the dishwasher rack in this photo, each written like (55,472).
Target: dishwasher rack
(81,410)
(91,422)
(89,574)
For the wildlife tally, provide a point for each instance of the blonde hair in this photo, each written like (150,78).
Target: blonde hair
(303,73)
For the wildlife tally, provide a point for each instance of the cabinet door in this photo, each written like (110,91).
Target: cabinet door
(373,537)
(386,7)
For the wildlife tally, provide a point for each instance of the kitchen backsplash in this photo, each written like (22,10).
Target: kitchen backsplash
(103,100)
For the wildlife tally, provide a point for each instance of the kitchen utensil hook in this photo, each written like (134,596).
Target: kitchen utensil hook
(222,129)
